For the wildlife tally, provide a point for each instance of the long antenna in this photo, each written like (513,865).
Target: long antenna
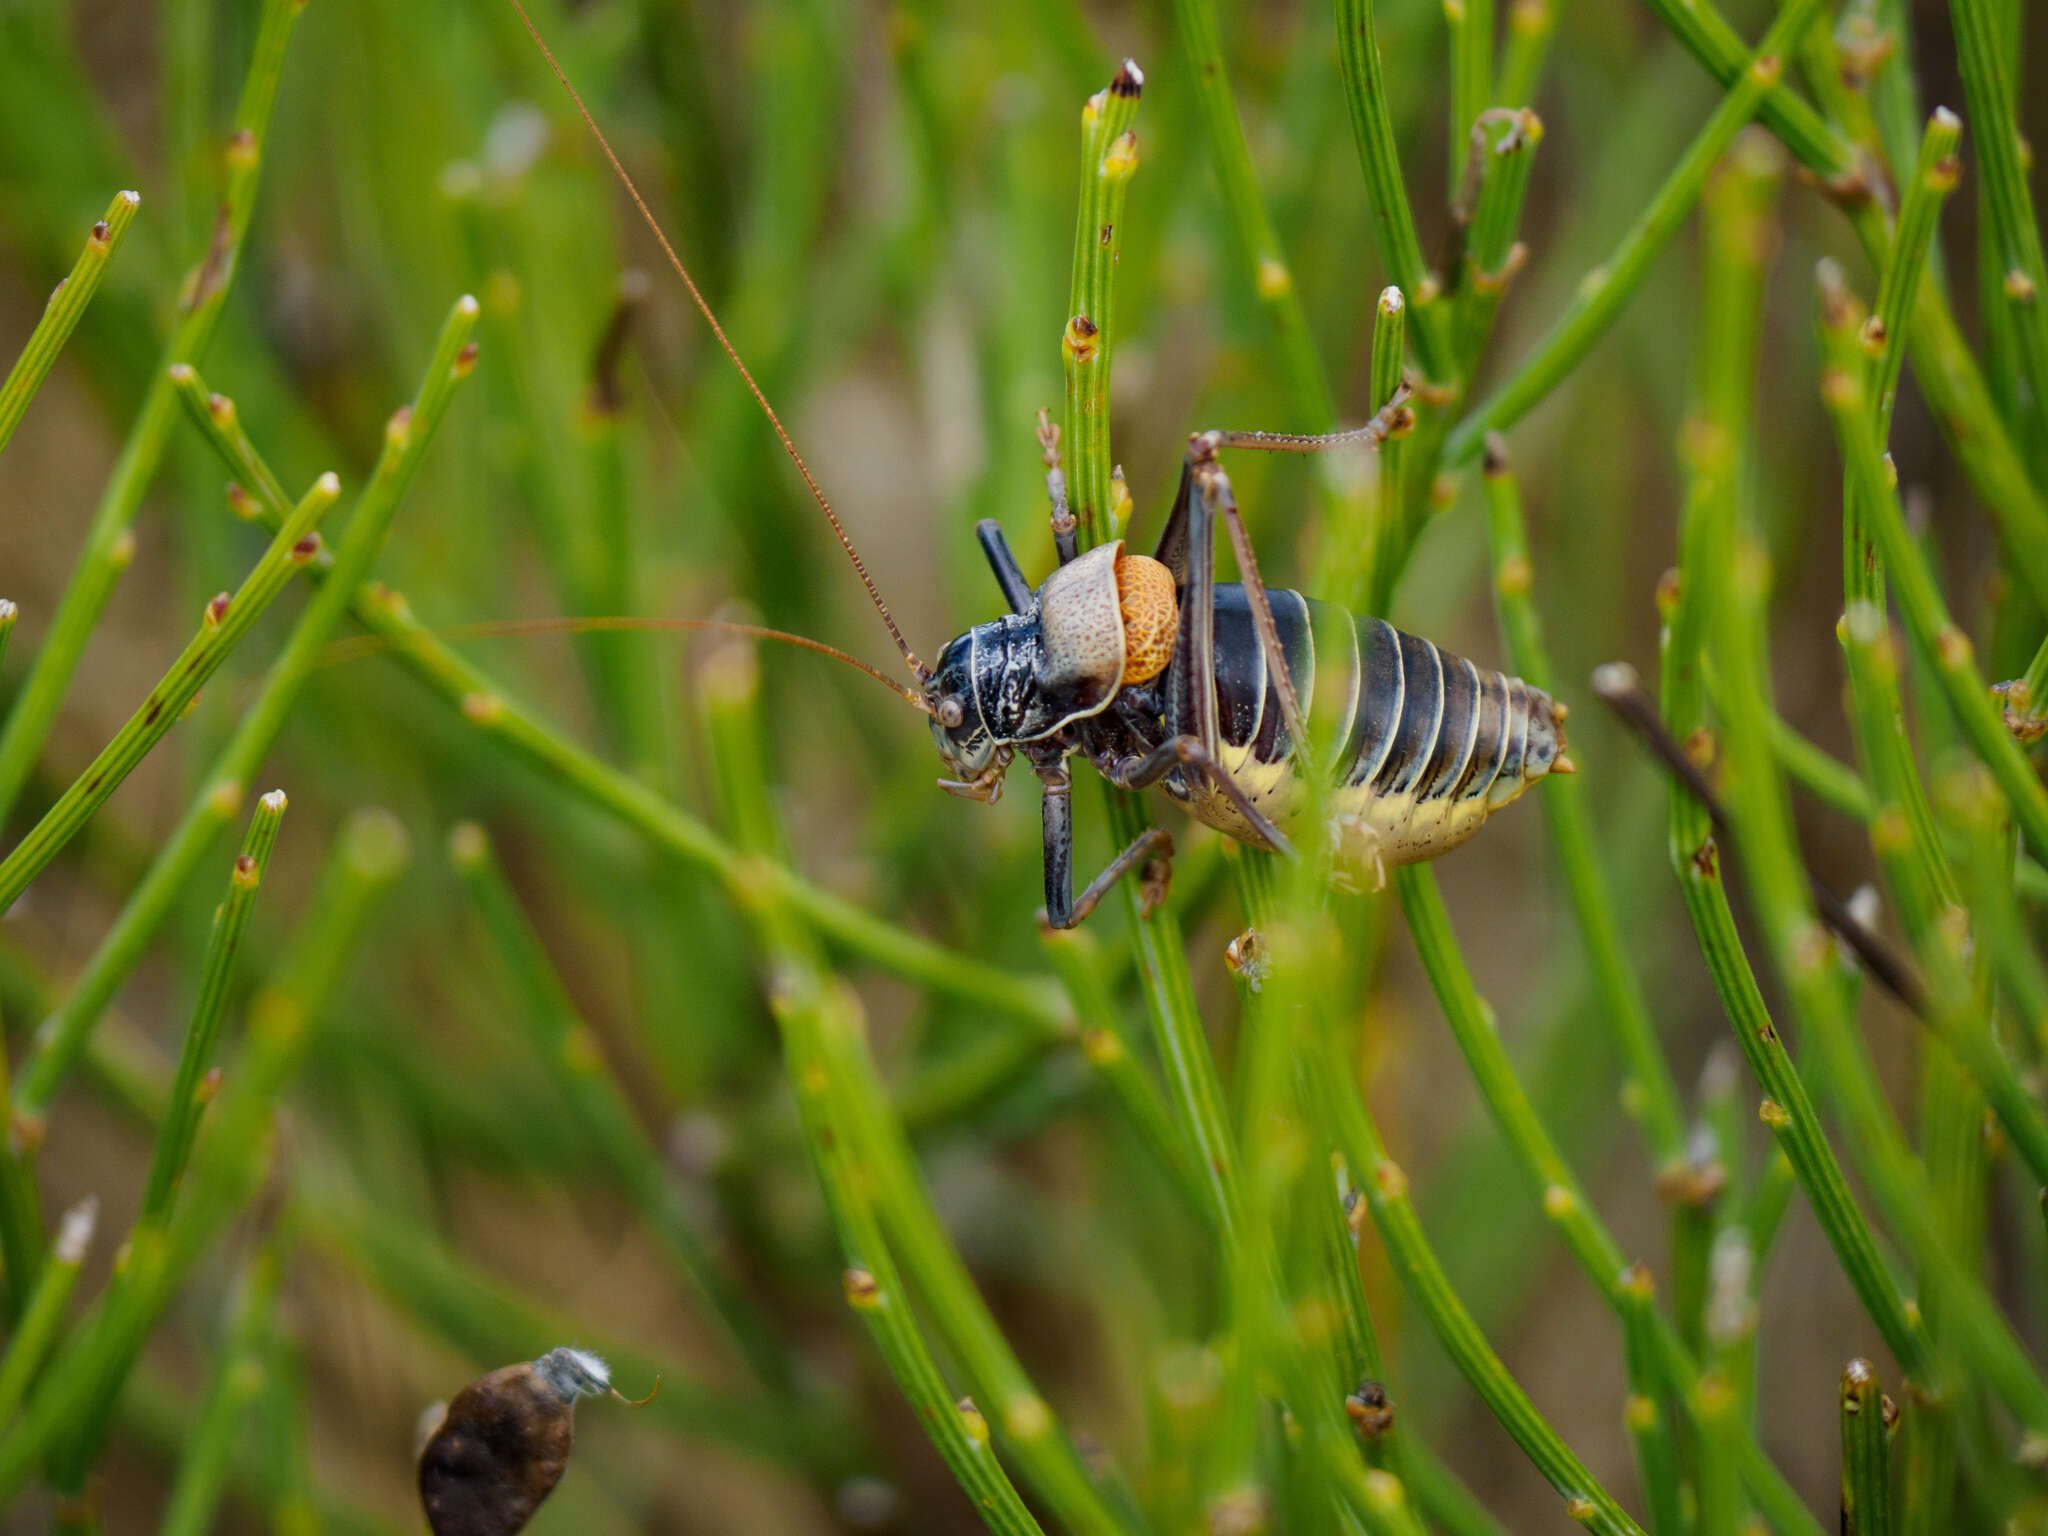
(358,646)
(703,308)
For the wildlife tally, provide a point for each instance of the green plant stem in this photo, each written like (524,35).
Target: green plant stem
(226,621)
(560,1038)
(870,1175)
(1937,637)
(1259,247)
(1531,26)
(1903,830)
(1838,786)
(1504,147)
(1608,288)
(1786,1108)
(1272,1138)
(1372,124)
(1764,1215)
(1472,26)
(1649,1092)
(1821,63)
(1895,93)
(1564,1200)
(1804,957)
(1109,158)
(809,1011)
(21,1211)
(236,1383)
(1385,1188)
(1969,418)
(1927,1499)
(485,704)
(8,614)
(1281,1121)
(2033,685)
(66,1417)
(1035,1000)
(1717,1413)
(1879,708)
(406,440)
(630,678)
(1866,1488)
(1947,373)
(1952,1144)
(1357,547)
(1718,439)
(1449,1504)
(295,1502)
(1982,56)
(1649,1427)
(1715,1177)
(109,544)
(62,312)
(157,1418)
(1289,1122)
(1824,776)
(42,1317)
(1958,1012)
(1818,144)
(1194,1092)
(1934,177)
(1970,800)
(189,1093)
(1077,960)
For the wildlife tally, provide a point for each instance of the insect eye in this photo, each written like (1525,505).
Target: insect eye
(951,714)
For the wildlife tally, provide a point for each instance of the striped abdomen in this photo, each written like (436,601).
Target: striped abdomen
(1420,745)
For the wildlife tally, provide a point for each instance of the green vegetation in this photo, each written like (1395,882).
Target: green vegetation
(1551,1183)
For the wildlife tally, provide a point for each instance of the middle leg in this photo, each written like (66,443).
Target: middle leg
(1188,752)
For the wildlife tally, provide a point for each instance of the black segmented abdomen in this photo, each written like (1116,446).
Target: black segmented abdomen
(1422,744)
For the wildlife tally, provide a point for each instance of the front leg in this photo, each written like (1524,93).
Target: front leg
(1061,909)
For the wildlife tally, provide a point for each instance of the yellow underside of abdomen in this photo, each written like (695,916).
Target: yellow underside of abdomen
(1369,833)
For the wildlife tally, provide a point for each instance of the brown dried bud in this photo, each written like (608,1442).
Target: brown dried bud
(504,1443)
(1081,340)
(1694,1185)
(1248,958)
(1370,1410)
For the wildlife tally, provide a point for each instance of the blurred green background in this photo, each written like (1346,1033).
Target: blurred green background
(879,201)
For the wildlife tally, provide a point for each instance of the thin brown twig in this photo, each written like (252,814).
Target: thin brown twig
(1622,690)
